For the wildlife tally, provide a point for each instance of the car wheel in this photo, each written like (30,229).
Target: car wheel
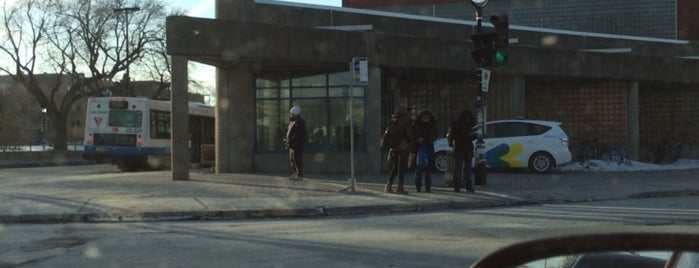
(440,162)
(541,162)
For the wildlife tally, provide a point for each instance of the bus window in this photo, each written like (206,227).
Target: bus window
(160,125)
(125,118)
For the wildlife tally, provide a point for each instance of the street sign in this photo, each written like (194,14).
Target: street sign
(359,68)
(485,76)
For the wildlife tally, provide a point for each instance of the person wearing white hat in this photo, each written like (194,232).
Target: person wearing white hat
(296,139)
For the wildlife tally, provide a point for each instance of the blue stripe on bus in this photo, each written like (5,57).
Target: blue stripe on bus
(116,150)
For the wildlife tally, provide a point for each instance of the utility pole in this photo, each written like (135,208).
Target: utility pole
(479,169)
(491,51)
(126,11)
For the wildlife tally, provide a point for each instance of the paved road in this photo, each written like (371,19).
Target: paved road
(454,238)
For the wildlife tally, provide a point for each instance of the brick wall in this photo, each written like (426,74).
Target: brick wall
(595,110)
(668,113)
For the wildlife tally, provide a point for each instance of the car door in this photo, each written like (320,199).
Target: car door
(508,145)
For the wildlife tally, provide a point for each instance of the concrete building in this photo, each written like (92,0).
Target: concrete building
(270,55)
(672,19)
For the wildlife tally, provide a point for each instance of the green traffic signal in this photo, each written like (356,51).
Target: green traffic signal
(499,56)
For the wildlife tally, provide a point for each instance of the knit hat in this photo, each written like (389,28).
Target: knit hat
(295,110)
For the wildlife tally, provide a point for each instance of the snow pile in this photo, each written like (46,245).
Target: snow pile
(606,166)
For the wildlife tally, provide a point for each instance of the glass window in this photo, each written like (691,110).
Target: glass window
(535,129)
(160,126)
(315,113)
(272,121)
(338,79)
(340,123)
(340,92)
(325,110)
(344,92)
(125,118)
(263,83)
(268,93)
(310,81)
(317,92)
(503,130)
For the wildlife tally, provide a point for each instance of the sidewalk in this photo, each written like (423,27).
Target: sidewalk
(147,196)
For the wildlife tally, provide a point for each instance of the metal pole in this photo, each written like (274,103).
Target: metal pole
(128,61)
(352,180)
(126,11)
(480,169)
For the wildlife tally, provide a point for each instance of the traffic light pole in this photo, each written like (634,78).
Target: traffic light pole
(479,169)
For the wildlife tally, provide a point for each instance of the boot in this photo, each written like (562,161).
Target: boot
(388,189)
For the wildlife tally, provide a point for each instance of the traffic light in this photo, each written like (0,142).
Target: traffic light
(500,38)
(484,55)
(491,48)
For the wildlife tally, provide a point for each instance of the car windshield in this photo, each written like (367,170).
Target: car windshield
(341,133)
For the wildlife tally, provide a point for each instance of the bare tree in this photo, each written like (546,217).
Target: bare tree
(82,39)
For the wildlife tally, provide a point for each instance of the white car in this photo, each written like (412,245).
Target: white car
(535,144)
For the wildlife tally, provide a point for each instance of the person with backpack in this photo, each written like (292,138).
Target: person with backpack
(422,155)
(461,136)
(396,139)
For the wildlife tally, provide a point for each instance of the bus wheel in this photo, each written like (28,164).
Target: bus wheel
(127,167)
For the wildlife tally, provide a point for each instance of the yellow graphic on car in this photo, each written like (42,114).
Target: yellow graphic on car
(504,155)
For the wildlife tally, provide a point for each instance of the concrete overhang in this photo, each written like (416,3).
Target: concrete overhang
(225,43)
(294,51)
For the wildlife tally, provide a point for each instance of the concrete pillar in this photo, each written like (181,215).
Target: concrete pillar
(518,103)
(373,116)
(633,118)
(235,119)
(179,120)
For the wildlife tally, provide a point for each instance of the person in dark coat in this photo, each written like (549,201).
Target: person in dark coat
(425,131)
(399,150)
(296,139)
(461,136)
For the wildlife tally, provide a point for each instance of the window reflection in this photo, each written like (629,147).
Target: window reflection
(324,100)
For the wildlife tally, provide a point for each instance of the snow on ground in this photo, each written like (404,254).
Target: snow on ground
(606,166)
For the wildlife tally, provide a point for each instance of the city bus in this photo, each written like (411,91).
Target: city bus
(134,133)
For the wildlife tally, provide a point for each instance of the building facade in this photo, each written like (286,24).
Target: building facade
(272,55)
(673,19)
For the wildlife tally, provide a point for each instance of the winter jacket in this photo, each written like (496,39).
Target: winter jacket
(428,132)
(461,135)
(296,133)
(400,120)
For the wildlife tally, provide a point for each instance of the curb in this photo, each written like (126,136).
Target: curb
(319,211)
(252,214)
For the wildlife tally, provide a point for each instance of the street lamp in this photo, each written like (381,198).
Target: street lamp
(479,4)
(43,128)
(126,11)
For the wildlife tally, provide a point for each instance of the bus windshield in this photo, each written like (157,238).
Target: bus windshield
(125,118)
